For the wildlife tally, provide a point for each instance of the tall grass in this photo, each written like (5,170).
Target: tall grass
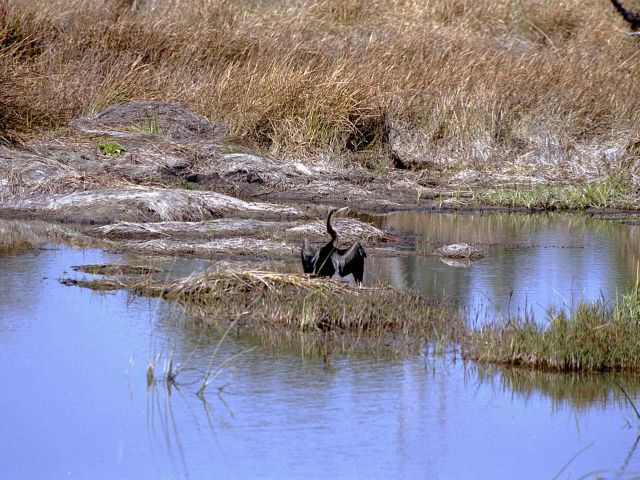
(446,80)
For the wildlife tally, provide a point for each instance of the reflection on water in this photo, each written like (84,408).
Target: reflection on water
(532,262)
(574,389)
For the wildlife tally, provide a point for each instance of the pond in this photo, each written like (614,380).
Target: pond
(77,400)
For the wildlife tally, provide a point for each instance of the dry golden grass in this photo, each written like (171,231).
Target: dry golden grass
(115,269)
(450,81)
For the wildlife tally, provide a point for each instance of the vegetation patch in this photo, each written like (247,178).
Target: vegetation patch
(419,83)
(593,337)
(150,124)
(111,149)
(184,184)
(114,269)
(612,191)
(269,302)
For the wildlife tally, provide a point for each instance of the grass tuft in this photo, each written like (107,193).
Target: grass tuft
(611,191)
(111,149)
(594,337)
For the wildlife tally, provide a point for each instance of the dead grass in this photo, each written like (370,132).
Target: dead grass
(542,83)
(115,269)
(222,248)
(350,230)
(209,230)
(267,303)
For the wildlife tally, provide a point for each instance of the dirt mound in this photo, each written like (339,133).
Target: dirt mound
(145,204)
(150,118)
(224,248)
(211,229)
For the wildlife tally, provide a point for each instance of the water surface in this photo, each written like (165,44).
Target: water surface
(75,400)
(531,263)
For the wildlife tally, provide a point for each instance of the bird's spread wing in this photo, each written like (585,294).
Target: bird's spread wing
(307,250)
(308,256)
(344,256)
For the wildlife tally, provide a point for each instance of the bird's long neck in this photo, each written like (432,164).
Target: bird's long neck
(330,230)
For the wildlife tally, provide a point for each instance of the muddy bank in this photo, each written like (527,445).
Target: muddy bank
(222,240)
(157,161)
(152,161)
(158,179)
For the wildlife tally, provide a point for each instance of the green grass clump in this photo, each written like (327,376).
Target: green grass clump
(232,149)
(183,184)
(150,124)
(612,191)
(594,337)
(111,149)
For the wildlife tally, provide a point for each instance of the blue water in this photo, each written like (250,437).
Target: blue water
(74,400)
(531,262)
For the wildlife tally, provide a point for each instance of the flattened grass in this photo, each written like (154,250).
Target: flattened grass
(595,337)
(115,269)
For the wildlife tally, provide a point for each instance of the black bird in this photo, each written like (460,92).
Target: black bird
(632,18)
(329,259)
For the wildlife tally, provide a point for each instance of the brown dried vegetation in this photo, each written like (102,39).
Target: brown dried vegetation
(280,304)
(446,81)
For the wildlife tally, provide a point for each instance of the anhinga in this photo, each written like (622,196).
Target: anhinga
(329,259)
